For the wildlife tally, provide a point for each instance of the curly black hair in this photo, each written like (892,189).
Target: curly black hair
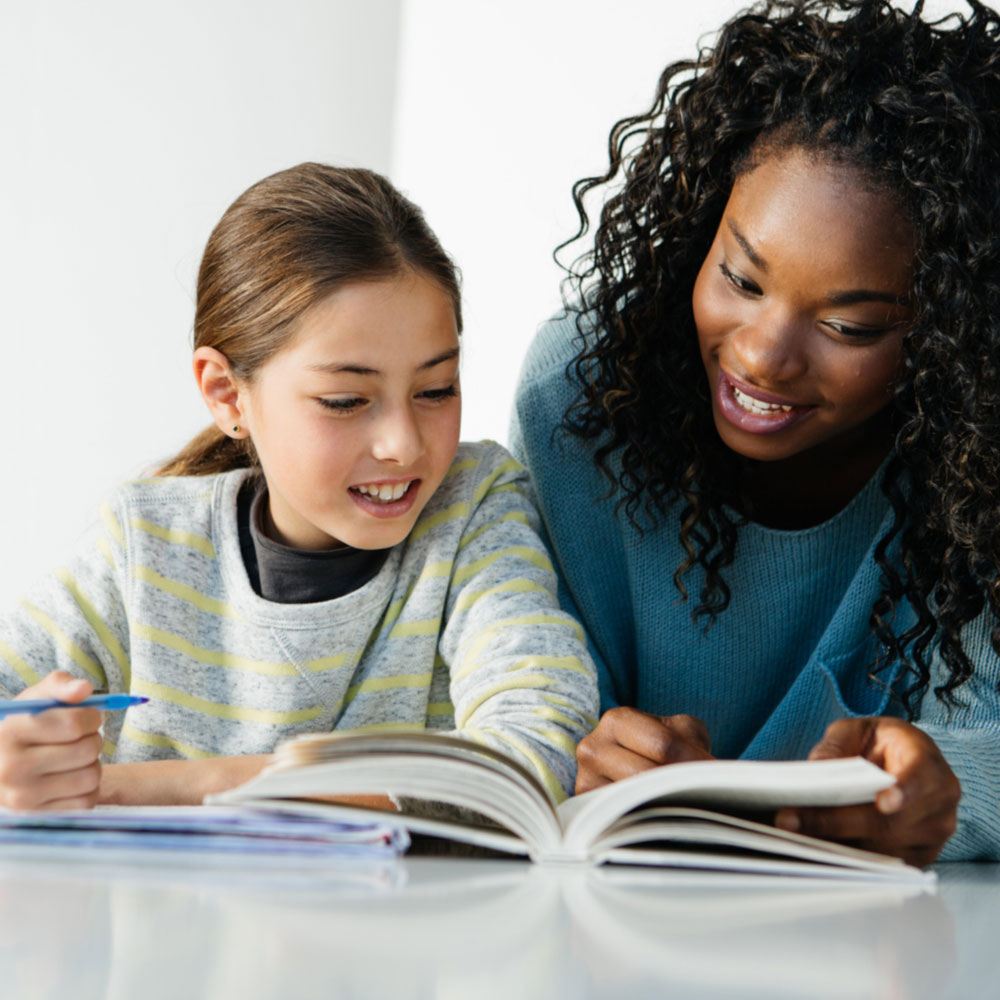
(916,106)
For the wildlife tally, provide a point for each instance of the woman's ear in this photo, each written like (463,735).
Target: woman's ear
(220,390)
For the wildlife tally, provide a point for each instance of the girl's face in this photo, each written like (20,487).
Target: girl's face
(801,307)
(356,421)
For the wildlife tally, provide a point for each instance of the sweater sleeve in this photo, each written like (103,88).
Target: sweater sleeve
(521,678)
(969,737)
(72,620)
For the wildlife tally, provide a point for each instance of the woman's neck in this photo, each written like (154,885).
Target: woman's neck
(810,488)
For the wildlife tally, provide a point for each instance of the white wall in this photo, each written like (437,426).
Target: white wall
(128,129)
(502,105)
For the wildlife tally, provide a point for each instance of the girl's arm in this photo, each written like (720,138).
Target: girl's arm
(521,677)
(72,620)
(175,782)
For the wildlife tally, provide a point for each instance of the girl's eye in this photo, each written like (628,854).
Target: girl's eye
(342,405)
(744,285)
(440,394)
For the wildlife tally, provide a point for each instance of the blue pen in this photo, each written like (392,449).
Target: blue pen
(107,702)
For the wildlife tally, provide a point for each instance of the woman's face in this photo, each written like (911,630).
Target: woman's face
(801,306)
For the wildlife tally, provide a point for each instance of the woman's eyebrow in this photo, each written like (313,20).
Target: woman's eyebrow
(865,295)
(846,298)
(348,367)
(755,258)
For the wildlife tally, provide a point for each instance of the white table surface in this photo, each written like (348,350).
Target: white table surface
(97,925)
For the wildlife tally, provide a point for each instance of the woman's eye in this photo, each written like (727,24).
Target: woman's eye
(744,285)
(855,332)
(342,405)
(440,394)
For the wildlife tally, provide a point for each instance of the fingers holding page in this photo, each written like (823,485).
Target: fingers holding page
(627,741)
(912,819)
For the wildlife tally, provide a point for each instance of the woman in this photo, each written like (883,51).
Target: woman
(766,438)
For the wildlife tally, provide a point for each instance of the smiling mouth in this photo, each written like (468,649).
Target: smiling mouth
(753,405)
(763,414)
(383,492)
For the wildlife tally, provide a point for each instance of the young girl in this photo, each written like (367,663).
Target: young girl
(325,556)
(778,402)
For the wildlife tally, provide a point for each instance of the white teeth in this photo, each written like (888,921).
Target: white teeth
(384,493)
(758,406)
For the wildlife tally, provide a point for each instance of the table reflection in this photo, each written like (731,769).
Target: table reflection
(167,927)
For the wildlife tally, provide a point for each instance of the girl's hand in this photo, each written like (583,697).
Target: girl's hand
(52,760)
(912,819)
(627,741)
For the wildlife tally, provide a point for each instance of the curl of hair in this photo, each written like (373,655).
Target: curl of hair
(915,105)
(286,243)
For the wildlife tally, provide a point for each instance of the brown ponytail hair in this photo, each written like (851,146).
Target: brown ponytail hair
(286,243)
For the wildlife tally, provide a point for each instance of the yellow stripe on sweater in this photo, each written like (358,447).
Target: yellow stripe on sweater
(428,626)
(513,515)
(507,684)
(230,661)
(175,536)
(429,572)
(533,556)
(542,770)
(104,547)
(21,667)
(185,593)
(387,684)
(486,486)
(112,524)
(159,740)
(87,609)
(374,727)
(441,517)
(518,585)
(461,466)
(481,639)
(213,657)
(238,713)
(554,699)
(70,648)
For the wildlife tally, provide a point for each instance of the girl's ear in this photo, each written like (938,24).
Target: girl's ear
(220,390)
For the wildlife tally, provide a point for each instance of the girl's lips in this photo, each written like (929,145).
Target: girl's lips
(749,421)
(386,508)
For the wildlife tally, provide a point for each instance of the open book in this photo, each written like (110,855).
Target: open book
(702,814)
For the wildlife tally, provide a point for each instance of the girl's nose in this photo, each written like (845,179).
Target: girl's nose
(397,437)
(771,349)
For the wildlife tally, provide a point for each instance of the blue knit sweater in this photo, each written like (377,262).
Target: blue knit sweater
(789,655)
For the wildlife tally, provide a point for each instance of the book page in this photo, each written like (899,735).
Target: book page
(722,784)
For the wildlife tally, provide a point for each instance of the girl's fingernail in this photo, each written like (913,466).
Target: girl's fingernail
(787,820)
(890,801)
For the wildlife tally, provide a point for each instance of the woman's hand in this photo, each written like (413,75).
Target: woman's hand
(52,760)
(912,819)
(627,741)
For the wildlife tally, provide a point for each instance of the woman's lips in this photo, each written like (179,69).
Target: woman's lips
(386,508)
(753,410)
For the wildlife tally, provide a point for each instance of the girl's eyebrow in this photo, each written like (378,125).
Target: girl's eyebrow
(336,367)
(847,298)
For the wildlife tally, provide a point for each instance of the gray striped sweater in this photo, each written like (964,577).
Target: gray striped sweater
(460,630)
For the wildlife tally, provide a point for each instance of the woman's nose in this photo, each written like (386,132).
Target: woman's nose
(771,349)
(397,437)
